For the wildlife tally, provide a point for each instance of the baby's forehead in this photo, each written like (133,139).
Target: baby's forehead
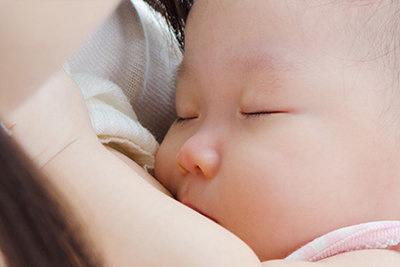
(315,22)
(255,33)
(261,61)
(320,12)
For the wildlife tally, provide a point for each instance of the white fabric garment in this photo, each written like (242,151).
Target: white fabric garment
(126,73)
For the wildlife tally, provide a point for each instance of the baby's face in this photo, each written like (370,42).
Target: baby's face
(281,135)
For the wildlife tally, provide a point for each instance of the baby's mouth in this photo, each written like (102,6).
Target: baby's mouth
(198,211)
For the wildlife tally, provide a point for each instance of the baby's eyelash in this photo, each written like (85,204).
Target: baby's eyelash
(259,113)
(183,120)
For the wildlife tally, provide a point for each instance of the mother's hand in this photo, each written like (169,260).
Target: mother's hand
(50,119)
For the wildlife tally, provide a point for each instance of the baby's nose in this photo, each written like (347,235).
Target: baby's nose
(199,156)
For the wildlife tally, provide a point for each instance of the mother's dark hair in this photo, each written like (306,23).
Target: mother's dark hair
(35,227)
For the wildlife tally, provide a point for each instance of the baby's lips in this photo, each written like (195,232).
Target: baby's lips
(198,211)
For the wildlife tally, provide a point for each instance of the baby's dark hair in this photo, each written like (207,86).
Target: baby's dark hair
(176,13)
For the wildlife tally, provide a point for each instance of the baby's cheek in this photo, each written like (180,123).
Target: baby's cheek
(160,165)
(164,166)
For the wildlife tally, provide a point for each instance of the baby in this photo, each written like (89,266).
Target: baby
(288,123)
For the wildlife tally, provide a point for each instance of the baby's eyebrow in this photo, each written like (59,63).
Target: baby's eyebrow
(261,62)
(265,62)
(181,70)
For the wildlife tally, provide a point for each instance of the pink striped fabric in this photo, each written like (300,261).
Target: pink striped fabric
(373,235)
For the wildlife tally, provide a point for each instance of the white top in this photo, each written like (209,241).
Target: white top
(126,73)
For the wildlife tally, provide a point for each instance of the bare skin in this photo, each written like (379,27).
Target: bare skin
(107,195)
(123,215)
(285,129)
(32,49)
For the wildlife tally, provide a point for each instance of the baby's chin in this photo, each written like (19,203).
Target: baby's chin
(279,249)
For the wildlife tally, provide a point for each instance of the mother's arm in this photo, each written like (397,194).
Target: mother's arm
(37,37)
(129,222)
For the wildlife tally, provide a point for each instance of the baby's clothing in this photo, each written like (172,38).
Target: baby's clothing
(373,235)
(125,71)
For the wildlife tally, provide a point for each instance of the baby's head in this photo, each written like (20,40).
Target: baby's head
(289,117)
